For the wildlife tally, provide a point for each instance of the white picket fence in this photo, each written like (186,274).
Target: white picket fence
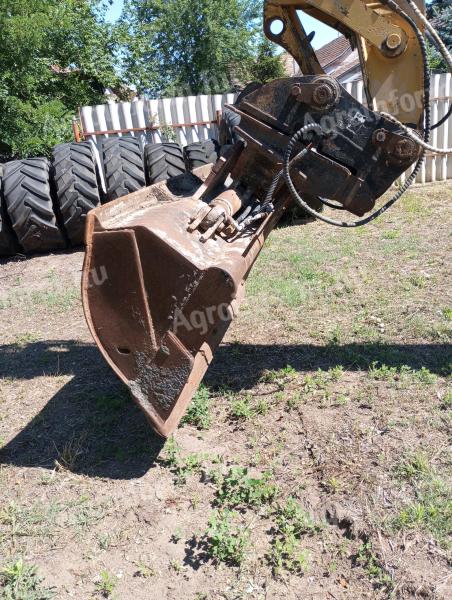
(436,167)
(195,118)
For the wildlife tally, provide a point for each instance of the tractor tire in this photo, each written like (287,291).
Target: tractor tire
(8,241)
(75,179)
(229,121)
(123,166)
(163,161)
(199,154)
(26,190)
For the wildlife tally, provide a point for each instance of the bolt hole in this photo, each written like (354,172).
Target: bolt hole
(125,351)
(277,26)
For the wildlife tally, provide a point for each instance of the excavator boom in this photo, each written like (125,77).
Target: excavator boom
(166,267)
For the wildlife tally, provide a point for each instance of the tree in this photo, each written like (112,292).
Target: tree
(439,13)
(182,47)
(55,55)
(268,64)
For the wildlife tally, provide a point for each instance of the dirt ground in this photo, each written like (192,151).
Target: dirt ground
(317,448)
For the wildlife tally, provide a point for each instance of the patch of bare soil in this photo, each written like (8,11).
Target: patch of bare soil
(318,447)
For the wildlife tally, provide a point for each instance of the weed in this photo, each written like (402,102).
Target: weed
(414,466)
(294,401)
(447,314)
(70,453)
(430,512)
(144,571)
(198,414)
(286,555)
(182,466)
(224,541)
(391,235)
(25,338)
(22,582)
(168,133)
(381,372)
(342,400)
(446,402)
(104,541)
(292,518)
(238,489)
(177,536)
(106,584)
(321,379)
(424,376)
(241,409)
(262,407)
(371,565)
(332,485)
(175,566)
(418,281)
(281,377)
(291,523)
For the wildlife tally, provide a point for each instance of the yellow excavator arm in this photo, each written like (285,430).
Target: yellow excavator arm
(389,51)
(175,256)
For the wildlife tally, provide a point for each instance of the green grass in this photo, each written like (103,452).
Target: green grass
(414,466)
(48,520)
(430,510)
(280,377)
(19,581)
(242,409)
(58,299)
(446,402)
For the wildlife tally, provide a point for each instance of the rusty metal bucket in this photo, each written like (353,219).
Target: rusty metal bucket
(165,268)
(158,299)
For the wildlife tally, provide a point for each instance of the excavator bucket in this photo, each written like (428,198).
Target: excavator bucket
(159,298)
(165,268)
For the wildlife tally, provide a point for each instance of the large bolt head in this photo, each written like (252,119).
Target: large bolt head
(323,95)
(393,41)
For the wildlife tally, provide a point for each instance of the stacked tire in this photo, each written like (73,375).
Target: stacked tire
(44,203)
(28,201)
(123,167)
(76,183)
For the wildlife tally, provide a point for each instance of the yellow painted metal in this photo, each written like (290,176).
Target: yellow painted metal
(390,54)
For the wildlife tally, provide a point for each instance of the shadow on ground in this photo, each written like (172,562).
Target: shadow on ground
(93,420)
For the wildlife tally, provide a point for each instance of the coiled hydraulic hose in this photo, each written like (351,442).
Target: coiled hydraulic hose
(427,129)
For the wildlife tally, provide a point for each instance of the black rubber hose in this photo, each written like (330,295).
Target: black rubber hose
(444,119)
(311,128)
